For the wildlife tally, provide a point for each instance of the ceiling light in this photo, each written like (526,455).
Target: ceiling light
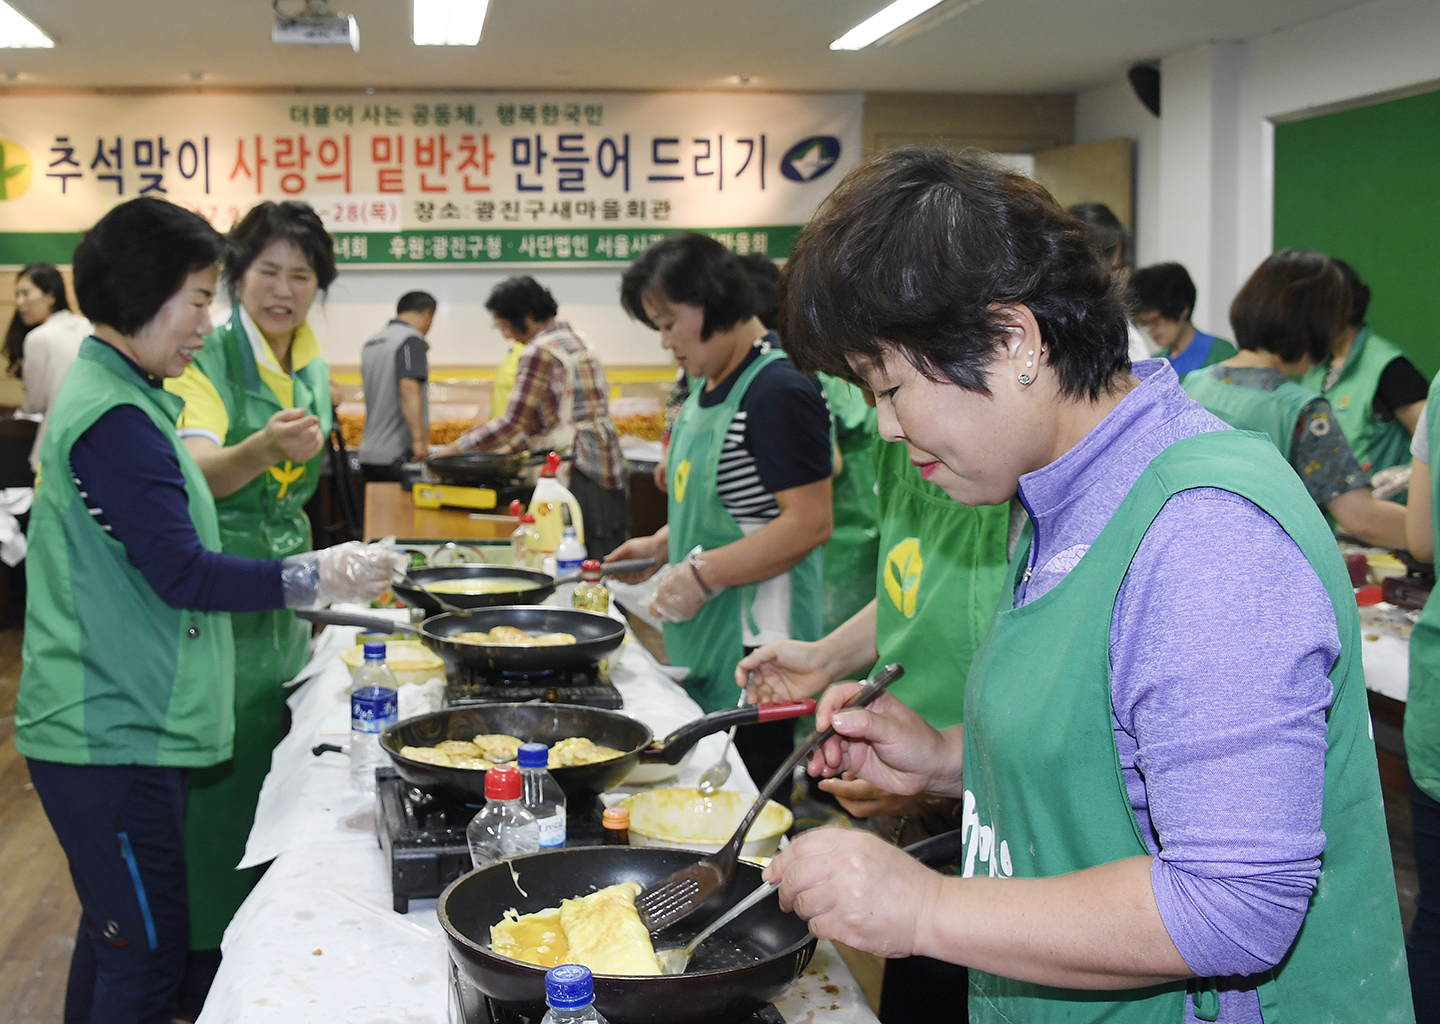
(882,24)
(448,22)
(19,32)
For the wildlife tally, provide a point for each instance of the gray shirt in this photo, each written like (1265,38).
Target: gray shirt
(397,353)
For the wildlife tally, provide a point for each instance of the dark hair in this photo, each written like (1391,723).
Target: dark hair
(1106,232)
(1359,293)
(416,302)
(515,298)
(919,248)
(269,222)
(45,277)
(136,257)
(1293,305)
(765,279)
(1163,288)
(692,270)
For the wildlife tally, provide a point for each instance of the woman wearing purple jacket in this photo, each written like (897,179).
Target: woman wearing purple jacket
(1171,809)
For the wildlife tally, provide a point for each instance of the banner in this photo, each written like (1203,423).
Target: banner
(435,178)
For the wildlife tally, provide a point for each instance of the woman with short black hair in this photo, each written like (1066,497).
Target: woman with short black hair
(128,678)
(1285,317)
(257,410)
(749,480)
(43,340)
(1153,759)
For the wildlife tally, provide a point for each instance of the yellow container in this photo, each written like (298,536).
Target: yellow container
(410,660)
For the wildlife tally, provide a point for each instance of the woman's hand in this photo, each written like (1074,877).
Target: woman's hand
(440,451)
(867,800)
(293,435)
(784,670)
(855,888)
(655,546)
(887,744)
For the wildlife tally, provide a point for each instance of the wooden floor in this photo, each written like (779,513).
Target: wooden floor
(37,927)
(38,910)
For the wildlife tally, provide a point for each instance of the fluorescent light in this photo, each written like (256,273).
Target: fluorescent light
(882,24)
(448,22)
(19,32)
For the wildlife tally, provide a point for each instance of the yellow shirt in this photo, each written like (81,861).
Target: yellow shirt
(505,379)
(205,415)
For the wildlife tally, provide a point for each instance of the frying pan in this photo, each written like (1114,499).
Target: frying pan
(482,467)
(596,636)
(542,584)
(548,723)
(746,965)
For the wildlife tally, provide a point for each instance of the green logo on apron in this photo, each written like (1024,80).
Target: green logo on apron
(903,567)
(682,478)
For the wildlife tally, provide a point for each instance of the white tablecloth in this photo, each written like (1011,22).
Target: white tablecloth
(317,941)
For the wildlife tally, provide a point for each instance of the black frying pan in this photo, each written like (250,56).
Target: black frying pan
(745,965)
(540,584)
(482,467)
(596,636)
(549,723)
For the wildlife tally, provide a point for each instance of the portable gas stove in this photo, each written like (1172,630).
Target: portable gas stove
(423,835)
(589,686)
(469,1006)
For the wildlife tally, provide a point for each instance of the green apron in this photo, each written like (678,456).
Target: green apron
(1044,792)
(855,540)
(1422,704)
(711,644)
(264,519)
(1272,413)
(940,573)
(1378,444)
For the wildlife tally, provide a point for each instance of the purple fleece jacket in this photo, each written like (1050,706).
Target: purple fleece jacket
(1220,645)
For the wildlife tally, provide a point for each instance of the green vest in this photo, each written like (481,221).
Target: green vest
(1422,703)
(1378,444)
(940,574)
(112,674)
(711,644)
(1044,792)
(850,552)
(1272,413)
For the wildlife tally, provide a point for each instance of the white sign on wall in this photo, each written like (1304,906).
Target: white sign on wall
(436,178)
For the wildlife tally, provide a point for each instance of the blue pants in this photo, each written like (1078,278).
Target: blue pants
(123,829)
(1422,948)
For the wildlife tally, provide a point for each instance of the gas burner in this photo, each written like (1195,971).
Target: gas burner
(588,686)
(469,1006)
(423,835)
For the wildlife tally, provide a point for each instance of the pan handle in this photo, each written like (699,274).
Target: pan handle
(939,851)
(624,567)
(675,746)
(329,617)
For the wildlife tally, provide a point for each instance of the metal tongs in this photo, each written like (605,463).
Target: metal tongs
(679,895)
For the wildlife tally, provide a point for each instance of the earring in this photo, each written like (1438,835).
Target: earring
(1024,378)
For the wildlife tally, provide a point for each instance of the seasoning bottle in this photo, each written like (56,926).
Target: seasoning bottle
(504,828)
(591,594)
(616,822)
(525,541)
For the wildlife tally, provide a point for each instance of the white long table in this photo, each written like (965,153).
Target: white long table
(317,942)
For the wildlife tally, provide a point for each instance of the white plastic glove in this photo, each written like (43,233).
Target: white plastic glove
(351,572)
(683,589)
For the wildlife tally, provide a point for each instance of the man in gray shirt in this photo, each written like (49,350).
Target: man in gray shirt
(394,371)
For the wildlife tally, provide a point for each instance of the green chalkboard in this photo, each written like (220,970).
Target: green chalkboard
(1364,185)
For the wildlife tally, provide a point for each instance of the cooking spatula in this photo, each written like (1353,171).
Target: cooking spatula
(679,895)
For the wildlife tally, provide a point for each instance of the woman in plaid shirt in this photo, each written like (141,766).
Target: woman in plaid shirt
(560,393)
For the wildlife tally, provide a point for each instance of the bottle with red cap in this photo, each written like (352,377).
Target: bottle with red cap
(591,594)
(546,503)
(503,828)
(525,541)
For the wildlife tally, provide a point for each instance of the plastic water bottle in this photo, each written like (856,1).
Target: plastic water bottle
(374,707)
(543,796)
(570,555)
(570,994)
(503,828)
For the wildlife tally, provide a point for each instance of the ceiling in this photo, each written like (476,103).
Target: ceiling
(991,46)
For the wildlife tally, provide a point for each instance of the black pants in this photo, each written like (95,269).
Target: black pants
(606,513)
(123,831)
(375,473)
(1422,947)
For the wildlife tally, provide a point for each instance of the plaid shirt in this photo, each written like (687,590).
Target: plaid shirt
(534,408)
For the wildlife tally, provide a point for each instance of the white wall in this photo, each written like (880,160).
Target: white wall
(362,301)
(1211,175)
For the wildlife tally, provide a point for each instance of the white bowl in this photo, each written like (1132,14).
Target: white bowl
(662,724)
(687,819)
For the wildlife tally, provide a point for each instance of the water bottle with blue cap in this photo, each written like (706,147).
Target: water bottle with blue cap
(570,994)
(374,707)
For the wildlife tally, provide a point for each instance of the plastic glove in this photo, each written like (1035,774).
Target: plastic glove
(346,572)
(683,590)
